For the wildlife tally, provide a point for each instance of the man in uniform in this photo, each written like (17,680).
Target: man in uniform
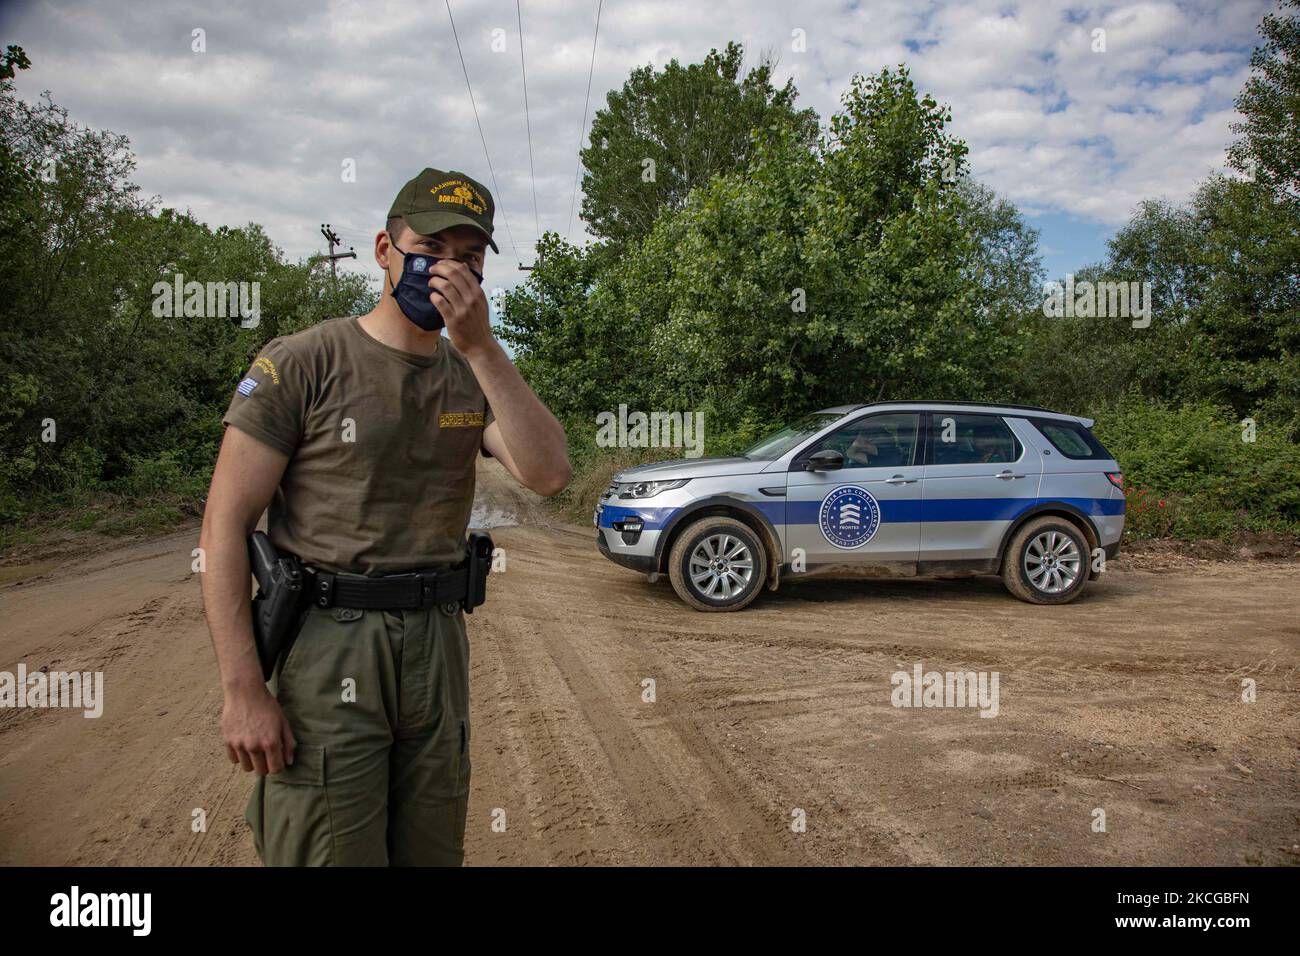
(361,435)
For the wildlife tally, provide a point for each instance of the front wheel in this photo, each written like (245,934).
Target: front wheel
(1046,562)
(717,564)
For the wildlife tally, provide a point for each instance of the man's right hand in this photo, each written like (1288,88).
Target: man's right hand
(256,732)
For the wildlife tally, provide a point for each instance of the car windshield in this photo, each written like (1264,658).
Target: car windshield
(779,442)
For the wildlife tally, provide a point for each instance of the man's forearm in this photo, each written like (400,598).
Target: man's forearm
(226,603)
(534,437)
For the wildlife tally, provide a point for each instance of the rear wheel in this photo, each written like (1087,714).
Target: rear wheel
(717,564)
(1046,562)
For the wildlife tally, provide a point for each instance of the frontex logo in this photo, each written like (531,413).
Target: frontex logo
(849,517)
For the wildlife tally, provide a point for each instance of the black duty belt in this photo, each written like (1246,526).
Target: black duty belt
(393,592)
(286,586)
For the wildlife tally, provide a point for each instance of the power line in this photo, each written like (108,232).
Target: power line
(365,243)
(537,220)
(582,132)
(482,138)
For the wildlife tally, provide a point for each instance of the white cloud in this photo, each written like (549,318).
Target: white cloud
(256,128)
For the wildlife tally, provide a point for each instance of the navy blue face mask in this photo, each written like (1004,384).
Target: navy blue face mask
(412,290)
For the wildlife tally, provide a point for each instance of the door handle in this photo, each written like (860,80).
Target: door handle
(1007,475)
(899,480)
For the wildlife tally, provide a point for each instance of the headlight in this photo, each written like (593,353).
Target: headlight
(647,489)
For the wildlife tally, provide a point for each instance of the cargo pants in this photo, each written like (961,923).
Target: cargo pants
(378,702)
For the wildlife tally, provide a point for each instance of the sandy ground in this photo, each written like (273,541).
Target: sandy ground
(1128,701)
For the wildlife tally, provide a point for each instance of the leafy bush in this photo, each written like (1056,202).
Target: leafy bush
(1189,474)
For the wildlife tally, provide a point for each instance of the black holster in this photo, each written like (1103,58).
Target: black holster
(280,597)
(478,564)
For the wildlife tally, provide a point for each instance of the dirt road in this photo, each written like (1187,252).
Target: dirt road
(1128,702)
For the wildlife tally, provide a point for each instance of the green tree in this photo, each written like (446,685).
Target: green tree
(692,122)
(817,277)
(1225,323)
(1245,349)
(570,347)
(851,269)
(132,391)
(1006,263)
(1269,150)
(16,180)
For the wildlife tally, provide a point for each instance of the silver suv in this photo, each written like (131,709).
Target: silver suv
(886,489)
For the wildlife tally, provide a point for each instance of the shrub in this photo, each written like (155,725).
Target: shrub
(1194,460)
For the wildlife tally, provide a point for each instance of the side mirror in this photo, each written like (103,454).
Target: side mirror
(828,459)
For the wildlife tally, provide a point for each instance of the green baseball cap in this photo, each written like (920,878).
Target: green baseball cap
(437,199)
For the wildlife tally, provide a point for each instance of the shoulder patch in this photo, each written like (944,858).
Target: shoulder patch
(247,385)
(267,366)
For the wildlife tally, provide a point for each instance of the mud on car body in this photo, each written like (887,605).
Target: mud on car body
(885,489)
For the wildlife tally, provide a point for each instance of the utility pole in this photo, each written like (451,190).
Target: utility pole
(332,238)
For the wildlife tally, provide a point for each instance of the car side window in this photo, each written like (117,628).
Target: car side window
(877,441)
(1071,439)
(970,440)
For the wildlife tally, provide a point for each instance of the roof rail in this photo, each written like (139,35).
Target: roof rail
(1028,408)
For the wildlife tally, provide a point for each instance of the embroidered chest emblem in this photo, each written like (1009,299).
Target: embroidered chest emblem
(460,420)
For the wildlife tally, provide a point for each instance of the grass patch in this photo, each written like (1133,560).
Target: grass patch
(105,514)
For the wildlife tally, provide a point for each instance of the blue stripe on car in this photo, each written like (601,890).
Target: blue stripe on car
(935,509)
(654,518)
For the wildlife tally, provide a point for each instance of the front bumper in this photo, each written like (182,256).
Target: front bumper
(628,533)
(645,563)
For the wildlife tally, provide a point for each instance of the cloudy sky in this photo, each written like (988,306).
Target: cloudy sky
(259,126)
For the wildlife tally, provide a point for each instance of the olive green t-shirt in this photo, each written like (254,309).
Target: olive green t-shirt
(381,443)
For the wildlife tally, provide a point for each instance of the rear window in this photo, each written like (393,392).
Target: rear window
(1071,439)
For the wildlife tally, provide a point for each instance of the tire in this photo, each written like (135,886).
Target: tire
(709,586)
(1040,559)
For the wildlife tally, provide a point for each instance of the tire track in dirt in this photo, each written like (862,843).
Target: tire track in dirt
(588,713)
(552,783)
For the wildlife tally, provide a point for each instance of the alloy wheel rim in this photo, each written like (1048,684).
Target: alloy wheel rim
(1052,562)
(721,566)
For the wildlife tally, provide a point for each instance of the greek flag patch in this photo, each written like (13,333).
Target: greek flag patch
(246,386)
